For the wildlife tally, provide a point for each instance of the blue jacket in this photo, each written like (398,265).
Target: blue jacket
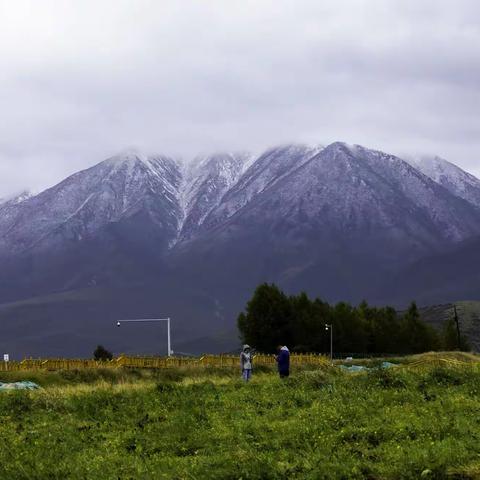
(283,360)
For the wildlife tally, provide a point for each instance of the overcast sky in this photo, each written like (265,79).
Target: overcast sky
(82,80)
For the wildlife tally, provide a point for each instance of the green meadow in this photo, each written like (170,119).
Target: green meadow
(397,423)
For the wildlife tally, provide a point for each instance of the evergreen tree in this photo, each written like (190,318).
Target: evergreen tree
(386,331)
(271,318)
(267,321)
(418,337)
(350,332)
(307,321)
(449,335)
(450,339)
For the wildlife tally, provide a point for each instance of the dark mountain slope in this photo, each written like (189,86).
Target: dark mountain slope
(446,276)
(134,236)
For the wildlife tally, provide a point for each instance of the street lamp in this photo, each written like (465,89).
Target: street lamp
(327,328)
(169,349)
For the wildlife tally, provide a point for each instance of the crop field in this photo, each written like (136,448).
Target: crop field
(402,422)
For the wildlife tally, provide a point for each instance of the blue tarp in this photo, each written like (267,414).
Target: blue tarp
(360,368)
(388,365)
(25,385)
(353,368)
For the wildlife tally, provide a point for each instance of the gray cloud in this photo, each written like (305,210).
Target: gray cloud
(80,81)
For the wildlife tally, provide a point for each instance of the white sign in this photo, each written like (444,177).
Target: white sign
(6,357)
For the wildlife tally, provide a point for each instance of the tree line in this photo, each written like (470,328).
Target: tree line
(272,318)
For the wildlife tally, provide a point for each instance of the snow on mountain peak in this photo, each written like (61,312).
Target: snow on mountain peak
(439,169)
(453,178)
(347,188)
(206,180)
(185,199)
(263,173)
(128,159)
(16,198)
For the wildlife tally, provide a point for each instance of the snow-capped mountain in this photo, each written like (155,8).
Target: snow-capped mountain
(121,187)
(140,235)
(344,188)
(268,169)
(206,180)
(338,187)
(453,178)
(340,222)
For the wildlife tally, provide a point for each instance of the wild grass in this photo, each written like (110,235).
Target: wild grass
(207,424)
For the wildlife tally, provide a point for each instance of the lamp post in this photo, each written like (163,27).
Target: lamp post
(327,328)
(169,349)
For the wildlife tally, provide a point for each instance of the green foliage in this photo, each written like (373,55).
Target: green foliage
(272,318)
(451,339)
(268,319)
(385,378)
(447,376)
(102,354)
(450,335)
(205,424)
(416,335)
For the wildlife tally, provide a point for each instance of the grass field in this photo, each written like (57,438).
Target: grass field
(207,424)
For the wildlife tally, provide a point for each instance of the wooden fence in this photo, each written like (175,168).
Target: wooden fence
(427,363)
(157,362)
(209,361)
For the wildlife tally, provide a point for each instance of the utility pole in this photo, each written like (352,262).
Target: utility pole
(457,323)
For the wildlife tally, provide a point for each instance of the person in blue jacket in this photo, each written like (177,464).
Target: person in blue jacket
(283,361)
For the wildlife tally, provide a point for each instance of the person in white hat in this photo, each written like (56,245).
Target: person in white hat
(246,362)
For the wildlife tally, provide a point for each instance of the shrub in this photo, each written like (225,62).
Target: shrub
(314,379)
(445,376)
(385,378)
(165,387)
(102,354)
(17,402)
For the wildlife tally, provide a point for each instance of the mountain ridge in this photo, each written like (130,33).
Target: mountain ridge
(187,183)
(341,221)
